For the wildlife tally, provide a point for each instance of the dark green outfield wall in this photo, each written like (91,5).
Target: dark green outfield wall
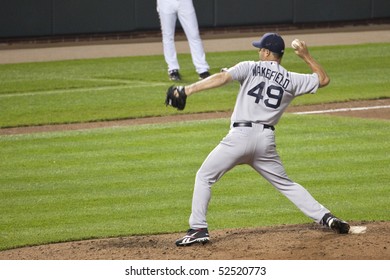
(21,18)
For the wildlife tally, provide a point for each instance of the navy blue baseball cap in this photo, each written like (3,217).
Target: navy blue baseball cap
(271,41)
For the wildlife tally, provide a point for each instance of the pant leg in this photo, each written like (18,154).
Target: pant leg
(267,162)
(168,25)
(189,22)
(229,153)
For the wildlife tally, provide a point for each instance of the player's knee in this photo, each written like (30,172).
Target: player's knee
(203,177)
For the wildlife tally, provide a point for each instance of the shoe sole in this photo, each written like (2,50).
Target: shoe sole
(195,241)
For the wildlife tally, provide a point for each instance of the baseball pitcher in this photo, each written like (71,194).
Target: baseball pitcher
(266,89)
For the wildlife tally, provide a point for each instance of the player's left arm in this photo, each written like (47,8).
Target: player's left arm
(214,81)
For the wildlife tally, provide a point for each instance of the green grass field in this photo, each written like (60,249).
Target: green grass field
(75,185)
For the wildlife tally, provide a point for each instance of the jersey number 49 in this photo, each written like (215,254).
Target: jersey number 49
(274,95)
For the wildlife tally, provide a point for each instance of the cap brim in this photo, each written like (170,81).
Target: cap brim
(256,44)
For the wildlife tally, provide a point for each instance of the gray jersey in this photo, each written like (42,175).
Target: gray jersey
(267,88)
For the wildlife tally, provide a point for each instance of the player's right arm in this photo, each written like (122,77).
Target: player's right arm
(214,81)
(303,52)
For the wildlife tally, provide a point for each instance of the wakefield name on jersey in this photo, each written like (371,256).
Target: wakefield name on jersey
(275,76)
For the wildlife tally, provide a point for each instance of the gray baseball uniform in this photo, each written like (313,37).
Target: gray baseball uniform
(265,92)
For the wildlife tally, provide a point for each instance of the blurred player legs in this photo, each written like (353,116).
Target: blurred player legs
(169,11)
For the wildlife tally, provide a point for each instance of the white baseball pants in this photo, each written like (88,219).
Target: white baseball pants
(169,11)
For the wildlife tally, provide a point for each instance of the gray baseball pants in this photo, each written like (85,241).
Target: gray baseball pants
(256,147)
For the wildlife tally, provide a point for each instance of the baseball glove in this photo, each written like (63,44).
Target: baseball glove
(176,101)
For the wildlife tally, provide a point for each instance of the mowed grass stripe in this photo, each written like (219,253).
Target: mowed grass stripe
(120,85)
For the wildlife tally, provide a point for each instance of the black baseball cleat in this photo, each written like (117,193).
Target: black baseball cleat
(334,223)
(174,75)
(204,75)
(194,236)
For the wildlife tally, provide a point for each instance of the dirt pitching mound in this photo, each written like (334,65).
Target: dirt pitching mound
(288,242)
